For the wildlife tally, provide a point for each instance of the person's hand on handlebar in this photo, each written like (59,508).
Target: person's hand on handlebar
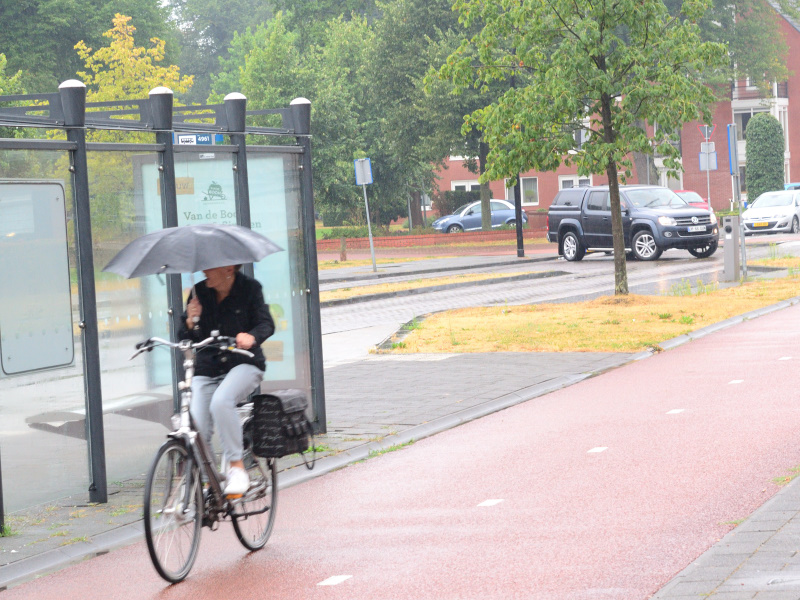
(245,341)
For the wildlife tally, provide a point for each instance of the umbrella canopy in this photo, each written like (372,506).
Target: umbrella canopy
(189,249)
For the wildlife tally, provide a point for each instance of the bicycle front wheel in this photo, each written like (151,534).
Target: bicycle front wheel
(254,516)
(173,510)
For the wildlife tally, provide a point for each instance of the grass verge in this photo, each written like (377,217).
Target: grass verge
(609,324)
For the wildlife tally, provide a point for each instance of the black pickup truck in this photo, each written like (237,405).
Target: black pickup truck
(654,219)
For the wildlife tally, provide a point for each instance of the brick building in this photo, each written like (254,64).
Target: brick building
(539,188)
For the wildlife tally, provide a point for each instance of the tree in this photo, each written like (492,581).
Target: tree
(308,18)
(756,49)
(38,36)
(332,74)
(9,85)
(765,147)
(121,70)
(582,65)
(207,29)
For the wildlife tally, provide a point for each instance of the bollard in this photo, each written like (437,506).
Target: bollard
(730,233)
(343,251)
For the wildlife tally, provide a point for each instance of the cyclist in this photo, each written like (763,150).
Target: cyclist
(233,304)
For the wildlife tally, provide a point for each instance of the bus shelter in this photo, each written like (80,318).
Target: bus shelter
(80,180)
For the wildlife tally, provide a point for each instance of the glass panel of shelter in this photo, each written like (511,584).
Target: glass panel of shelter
(43,433)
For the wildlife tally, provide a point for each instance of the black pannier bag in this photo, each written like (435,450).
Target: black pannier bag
(280,426)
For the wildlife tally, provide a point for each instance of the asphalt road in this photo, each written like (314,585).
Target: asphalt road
(605,489)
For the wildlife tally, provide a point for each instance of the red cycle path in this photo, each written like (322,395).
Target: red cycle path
(616,523)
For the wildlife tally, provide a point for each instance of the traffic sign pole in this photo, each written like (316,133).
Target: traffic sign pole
(363,169)
(369,229)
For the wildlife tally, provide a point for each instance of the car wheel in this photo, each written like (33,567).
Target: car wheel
(795,225)
(644,245)
(704,251)
(512,223)
(454,229)
(571,247)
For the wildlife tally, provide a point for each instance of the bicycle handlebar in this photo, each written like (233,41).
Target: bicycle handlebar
(221,342)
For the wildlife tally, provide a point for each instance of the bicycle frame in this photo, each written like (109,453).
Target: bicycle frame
(200,451)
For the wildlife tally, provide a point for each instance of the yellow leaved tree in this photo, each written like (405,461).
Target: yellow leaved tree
(121,71)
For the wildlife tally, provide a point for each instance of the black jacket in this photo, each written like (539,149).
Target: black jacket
(243,310)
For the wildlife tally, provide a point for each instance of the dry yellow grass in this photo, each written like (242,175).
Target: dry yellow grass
(407,285)
(608,324)
(335,264)
(784,262)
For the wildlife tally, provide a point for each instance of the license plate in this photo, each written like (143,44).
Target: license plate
(693,228)
(761,224)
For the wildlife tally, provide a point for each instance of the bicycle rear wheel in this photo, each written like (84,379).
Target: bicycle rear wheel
(254,516)
(173,510)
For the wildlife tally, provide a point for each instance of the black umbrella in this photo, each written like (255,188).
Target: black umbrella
(189,249)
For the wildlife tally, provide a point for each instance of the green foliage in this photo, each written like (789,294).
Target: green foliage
(604,69)
(207,29)
(765,146)
(38,36)
(9,85)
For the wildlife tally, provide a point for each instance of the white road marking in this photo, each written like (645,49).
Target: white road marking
(735,381)
(785,358)
(675,411)
(335,580)
(489,502)
(599,449)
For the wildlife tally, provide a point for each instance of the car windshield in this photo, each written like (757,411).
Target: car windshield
(461,208)
(691,197)
(772,199)
(655,198)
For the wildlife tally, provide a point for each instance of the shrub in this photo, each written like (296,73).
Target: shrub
(765,145)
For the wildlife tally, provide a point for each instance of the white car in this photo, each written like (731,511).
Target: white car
(773,212)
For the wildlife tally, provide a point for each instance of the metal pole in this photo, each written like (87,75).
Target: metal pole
(708,176)
(518,216)
(236,112)
(301,108)
(733,159)
(369,229)
(73,100)
(161,99)
(742,243)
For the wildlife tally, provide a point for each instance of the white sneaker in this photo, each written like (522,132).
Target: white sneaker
(237,482)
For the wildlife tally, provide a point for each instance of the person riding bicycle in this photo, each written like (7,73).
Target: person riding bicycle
(233,304)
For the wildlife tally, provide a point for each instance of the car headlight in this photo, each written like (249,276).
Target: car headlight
(713,218)
(668,221)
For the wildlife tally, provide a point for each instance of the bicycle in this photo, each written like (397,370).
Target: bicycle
(184,490)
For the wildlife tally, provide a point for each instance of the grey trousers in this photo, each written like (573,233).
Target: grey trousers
(214,401)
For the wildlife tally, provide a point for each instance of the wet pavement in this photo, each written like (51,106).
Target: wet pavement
(365,417)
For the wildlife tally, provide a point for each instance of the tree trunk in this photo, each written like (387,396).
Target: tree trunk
(416,209)
(620,267)
(486,192)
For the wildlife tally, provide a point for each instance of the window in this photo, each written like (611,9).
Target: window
(530,190)
(598,201)
(569,198)
(495,206)
(742,180)
(465,186)
(570,181)
(741,118)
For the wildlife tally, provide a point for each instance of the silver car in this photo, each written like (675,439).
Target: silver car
(772,212)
